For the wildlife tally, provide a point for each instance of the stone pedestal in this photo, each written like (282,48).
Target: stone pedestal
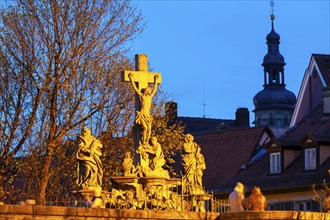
(129,182)
(87,195)
(152,181)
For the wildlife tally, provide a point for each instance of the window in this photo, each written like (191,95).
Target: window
(279,120)
(264,119)
(304,206)
(271,207)
(310,159)
(284,206)
(275,162)
(264,122)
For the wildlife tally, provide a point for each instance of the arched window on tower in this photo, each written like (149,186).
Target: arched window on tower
(268,78)
(264,119)
(275,77)
(278,119)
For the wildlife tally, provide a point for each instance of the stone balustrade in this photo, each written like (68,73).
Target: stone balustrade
(33,212)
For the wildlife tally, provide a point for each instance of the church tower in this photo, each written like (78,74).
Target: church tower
(274,104)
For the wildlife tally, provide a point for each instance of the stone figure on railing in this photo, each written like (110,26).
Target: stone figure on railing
(89,167)
(256,201)
(236,198)
(326,202)
(193,163)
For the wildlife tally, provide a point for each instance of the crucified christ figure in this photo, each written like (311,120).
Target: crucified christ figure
(143,117)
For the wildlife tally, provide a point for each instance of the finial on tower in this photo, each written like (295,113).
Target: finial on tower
(272,16)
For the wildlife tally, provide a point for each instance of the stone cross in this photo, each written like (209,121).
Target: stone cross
(140,79)
(141,76)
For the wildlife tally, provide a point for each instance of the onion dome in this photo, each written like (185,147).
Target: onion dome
(273,40)
(273,36)
(274,97)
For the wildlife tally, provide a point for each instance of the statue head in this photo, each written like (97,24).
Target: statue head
(189,138)
(130,194)
(239,187)
(147,91)
(153,140)
(84,137)
(159,195)
(85,131)
(127,154)
(256,190)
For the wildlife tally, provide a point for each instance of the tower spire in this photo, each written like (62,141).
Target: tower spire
(273,61)
(272,16)
(272,8)
(274,104)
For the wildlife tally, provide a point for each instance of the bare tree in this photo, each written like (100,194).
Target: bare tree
(63,56)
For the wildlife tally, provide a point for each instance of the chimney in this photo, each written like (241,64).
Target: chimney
(326,101)
(171,111)
(243,118)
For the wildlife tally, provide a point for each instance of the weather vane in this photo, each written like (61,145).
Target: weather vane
(272,16)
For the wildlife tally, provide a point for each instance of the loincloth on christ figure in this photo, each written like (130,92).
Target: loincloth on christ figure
(142,119)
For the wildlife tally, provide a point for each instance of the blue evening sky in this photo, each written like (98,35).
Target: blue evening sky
(211,51)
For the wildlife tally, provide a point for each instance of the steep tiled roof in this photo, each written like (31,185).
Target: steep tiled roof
(313,124)
(293,178)
(225,153)
(323,62)
(316,77)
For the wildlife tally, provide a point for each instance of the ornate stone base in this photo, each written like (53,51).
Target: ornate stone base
(93,197)
(151,192)
(152,181)
(87,195)
(121,180)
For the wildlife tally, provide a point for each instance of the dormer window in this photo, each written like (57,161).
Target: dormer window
(275,162)
(310,159)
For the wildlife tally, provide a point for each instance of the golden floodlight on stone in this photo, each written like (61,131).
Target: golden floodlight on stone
(143,182)
(140,80)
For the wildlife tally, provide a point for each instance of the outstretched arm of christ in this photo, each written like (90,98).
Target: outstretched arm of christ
(130,76)
(156,86)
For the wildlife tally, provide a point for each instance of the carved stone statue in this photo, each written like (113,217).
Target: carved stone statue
(153,159)
(127,164)
(157,159)
(89,167)
(97,198)
(130,201)
(172,203)
(193,163)
(144,168)
(143,117)
(149,185)
(256,201)
(201,166)
(236,198)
